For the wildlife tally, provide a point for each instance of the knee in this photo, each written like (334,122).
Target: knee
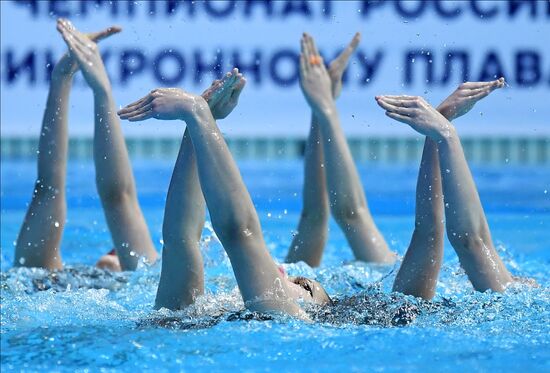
(345,214)
(113,193)
(318,215)
(229,228)
(464,241)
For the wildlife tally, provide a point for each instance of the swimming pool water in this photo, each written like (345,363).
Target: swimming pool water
(90,320)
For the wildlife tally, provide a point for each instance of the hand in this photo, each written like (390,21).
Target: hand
(314,79)
(223,95)
(86,53)
(339,64)
(417,113)
(466,96)
(165,104)
(67,66)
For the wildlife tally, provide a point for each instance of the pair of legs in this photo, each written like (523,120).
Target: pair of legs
(38,243)
(445,180)
(205,171)
(443,171)
(331,183)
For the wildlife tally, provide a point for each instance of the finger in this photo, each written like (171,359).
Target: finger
(143,116)
(303,65)
(210,90)
(395,109)
(238,89)
(398,102)
(97,36)
(305,51)
(472,85)
(472,92)
(398,97)
(398,117)
(138,111)
(72,38)
(73,46)
(348,51)
(133,106)
(480,95)
(312,46)
(219,91)
(66,23)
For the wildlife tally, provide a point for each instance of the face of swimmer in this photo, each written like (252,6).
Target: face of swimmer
(307,289)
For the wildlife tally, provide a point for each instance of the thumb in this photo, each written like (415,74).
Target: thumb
(97,36)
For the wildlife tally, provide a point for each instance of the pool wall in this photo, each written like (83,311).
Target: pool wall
(479,149)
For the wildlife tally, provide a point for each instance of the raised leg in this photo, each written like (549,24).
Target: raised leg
(419,271)
(467,226)
(114,177)
(232,212)
(309,242)
(38,243)
(310,239)
(347,199)
(182,276)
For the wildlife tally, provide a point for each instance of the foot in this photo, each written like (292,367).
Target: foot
(164,104)
(223,95)
(314,78)
(418,114)
(174,103)
(67,66)
(466,96)
(86,53)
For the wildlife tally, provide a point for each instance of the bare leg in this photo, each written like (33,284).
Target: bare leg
(114,177)
(419,271)
(232,213)
(309,241)
(182,277)
(348,203)
(467,226)
(38,243)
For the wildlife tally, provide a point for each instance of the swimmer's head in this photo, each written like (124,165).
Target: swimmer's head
(309,290)
(109,261)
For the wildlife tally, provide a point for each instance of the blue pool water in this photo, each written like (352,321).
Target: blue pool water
(91,321)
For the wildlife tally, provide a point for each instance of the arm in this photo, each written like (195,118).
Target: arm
(114,177)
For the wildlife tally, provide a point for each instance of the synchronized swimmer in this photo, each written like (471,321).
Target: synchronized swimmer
(206,175)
